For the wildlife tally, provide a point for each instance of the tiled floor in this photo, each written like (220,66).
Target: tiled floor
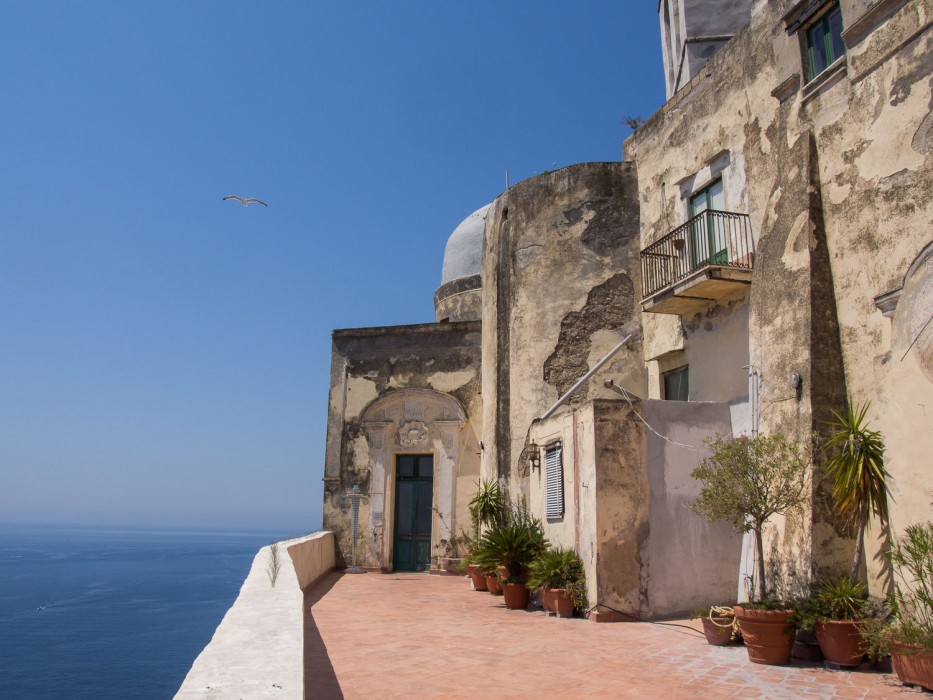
(418,636)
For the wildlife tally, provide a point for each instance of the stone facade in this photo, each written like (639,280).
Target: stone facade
(765,251)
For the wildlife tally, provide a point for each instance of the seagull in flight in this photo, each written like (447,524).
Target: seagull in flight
(245,201)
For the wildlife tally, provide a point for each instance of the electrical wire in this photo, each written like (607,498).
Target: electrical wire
(635,618)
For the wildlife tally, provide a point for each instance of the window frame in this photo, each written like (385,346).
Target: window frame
(823,22)
(683,369)
(554,502)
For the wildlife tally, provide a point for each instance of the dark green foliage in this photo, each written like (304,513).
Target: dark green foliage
(514,543)
(557,567)
(837,599)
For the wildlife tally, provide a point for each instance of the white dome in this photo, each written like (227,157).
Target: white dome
(463,256)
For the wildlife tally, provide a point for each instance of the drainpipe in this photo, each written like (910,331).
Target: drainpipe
(585,377)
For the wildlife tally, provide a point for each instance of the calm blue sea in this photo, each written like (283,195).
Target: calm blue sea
(107,613)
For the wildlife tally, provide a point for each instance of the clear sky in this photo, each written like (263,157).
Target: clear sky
(164,355)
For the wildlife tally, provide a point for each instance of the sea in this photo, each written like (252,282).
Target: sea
(102,613)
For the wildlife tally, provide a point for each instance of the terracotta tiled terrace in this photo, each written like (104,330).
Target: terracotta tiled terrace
(419,636)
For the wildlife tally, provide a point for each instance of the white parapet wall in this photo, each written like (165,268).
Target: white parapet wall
(257,649)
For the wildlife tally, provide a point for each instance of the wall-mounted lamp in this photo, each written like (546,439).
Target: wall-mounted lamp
(534,456)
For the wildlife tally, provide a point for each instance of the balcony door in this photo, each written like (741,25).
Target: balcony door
(708,233)
(414,489)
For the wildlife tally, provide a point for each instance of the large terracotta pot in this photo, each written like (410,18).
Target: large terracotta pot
(840,641)
(561,601)
(492,583)
(516,595)
(718,631)
(546,595)
(913,668)
(479,581)
(769,635)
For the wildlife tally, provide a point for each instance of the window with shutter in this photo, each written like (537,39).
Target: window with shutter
(554,483)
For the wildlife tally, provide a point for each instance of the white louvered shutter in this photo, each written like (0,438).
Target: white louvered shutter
(554,483)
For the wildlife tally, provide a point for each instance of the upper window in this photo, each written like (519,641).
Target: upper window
(676,385)
(824,41)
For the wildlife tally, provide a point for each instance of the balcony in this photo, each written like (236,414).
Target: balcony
(706,260)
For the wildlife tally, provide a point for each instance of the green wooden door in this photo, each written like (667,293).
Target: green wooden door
(414,487)
(708,244)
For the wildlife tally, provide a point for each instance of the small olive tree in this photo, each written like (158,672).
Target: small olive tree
(746,481)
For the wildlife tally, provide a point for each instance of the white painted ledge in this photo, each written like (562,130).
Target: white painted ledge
(257,649)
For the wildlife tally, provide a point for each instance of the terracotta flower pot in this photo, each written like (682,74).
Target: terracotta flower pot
(479,581)
(492,583)
(516,595)
(718,631)
(561,601)
(769,635)
(546,595)
(913,666)
(840,641)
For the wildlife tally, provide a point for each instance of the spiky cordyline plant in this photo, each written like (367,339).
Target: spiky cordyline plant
(856,470)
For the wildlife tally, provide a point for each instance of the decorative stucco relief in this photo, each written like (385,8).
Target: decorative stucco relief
(413,434)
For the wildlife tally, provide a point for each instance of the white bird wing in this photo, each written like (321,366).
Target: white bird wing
(233,196)
(258,201)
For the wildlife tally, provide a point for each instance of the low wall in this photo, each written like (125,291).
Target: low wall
(312,557)
(257,649)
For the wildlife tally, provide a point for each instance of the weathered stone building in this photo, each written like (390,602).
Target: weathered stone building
(761,255)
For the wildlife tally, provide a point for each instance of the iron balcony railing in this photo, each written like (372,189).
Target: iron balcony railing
(711,238)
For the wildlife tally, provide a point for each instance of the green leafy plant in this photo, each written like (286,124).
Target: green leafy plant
(489,506)
(856,471)
(748,480)
(912,604)
(514,546)
(837,599)
(559,567)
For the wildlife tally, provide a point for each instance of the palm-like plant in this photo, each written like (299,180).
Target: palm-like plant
(513,546)
(488,507)
(857,473)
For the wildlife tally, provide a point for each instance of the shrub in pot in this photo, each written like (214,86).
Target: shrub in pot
(514,545)
(719,624)
(908,635)
(558,572)
(835,612)
(747,481)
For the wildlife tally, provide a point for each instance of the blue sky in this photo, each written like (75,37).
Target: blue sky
(164,355)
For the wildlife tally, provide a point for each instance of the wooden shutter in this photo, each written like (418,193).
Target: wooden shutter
(554,482)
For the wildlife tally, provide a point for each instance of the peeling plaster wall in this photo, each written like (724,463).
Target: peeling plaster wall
(426,377)
(561,277)
(837,185)
(625,496)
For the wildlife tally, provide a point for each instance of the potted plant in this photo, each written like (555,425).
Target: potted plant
(558,572)
(748,480)
(909,634)
(488,508)
(857,474)
(513,545)
(835,612)
(719,624)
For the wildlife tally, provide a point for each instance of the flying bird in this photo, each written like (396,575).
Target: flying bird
(245,201)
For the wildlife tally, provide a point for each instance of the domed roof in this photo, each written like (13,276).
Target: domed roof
(463,256)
